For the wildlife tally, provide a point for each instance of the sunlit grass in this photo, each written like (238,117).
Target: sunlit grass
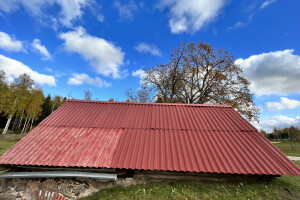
(289,148)
(286,187)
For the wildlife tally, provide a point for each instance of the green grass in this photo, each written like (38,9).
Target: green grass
(288,148)
(286,187)
(9,140)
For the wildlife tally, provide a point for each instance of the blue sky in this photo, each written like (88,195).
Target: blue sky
(70,46)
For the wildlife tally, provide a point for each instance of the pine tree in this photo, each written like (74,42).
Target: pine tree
(46,107)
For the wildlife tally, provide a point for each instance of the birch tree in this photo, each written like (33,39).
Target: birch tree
(34,109)
(3,91)
(56,102)
(18,97)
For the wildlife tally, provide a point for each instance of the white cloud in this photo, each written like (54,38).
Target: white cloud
(9,43)
(285,103)
(266,3)
(191,15)
(48,69)
(70,10)
(14,68)
(104,56)
(56,73)
(253,9)
(275,72)
(126,10)
(279,121)
(100,18)
(138,73)
(237,25)
(148,48)
(79,79)
(36,44)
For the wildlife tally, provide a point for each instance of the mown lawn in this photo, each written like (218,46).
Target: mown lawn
(288,148)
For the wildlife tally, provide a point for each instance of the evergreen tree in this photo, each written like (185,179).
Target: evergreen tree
(46,107)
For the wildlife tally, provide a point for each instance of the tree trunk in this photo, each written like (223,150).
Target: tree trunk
(14,123)
(8,121)
(24,125)
(20,121)
(31,123)
(7,125)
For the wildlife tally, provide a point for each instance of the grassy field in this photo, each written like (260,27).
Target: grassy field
(288,148)
(285,187)
(9,140)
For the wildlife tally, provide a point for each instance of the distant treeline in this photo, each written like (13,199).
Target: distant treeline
(289,133)
(23,104)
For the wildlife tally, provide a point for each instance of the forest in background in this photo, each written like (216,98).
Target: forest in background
(289,133)
(23,104)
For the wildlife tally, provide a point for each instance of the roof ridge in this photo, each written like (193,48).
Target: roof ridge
(165,129)
(155,104)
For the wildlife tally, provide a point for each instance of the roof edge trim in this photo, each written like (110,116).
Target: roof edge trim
(155,104)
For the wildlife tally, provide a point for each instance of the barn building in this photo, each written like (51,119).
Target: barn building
(148,137)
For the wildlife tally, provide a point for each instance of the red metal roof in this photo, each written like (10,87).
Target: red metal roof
(173,137)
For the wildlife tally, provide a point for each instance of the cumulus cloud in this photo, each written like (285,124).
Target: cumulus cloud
(266,3)
(285,103)
(191,15)
(79,79)
(138,73)
(275,72)
(126,10)
(279,121)
(36,44)
(9,43)
(70,10)
(14,68)
(104,56)
(148,48)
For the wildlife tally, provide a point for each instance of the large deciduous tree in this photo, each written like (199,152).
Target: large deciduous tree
(141,95)
(198,73)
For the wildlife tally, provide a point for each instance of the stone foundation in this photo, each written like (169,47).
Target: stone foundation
(30,189)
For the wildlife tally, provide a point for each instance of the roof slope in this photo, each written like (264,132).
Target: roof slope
(173,137)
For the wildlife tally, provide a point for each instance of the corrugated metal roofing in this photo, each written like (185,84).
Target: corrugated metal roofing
(172,137)
(76,113)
